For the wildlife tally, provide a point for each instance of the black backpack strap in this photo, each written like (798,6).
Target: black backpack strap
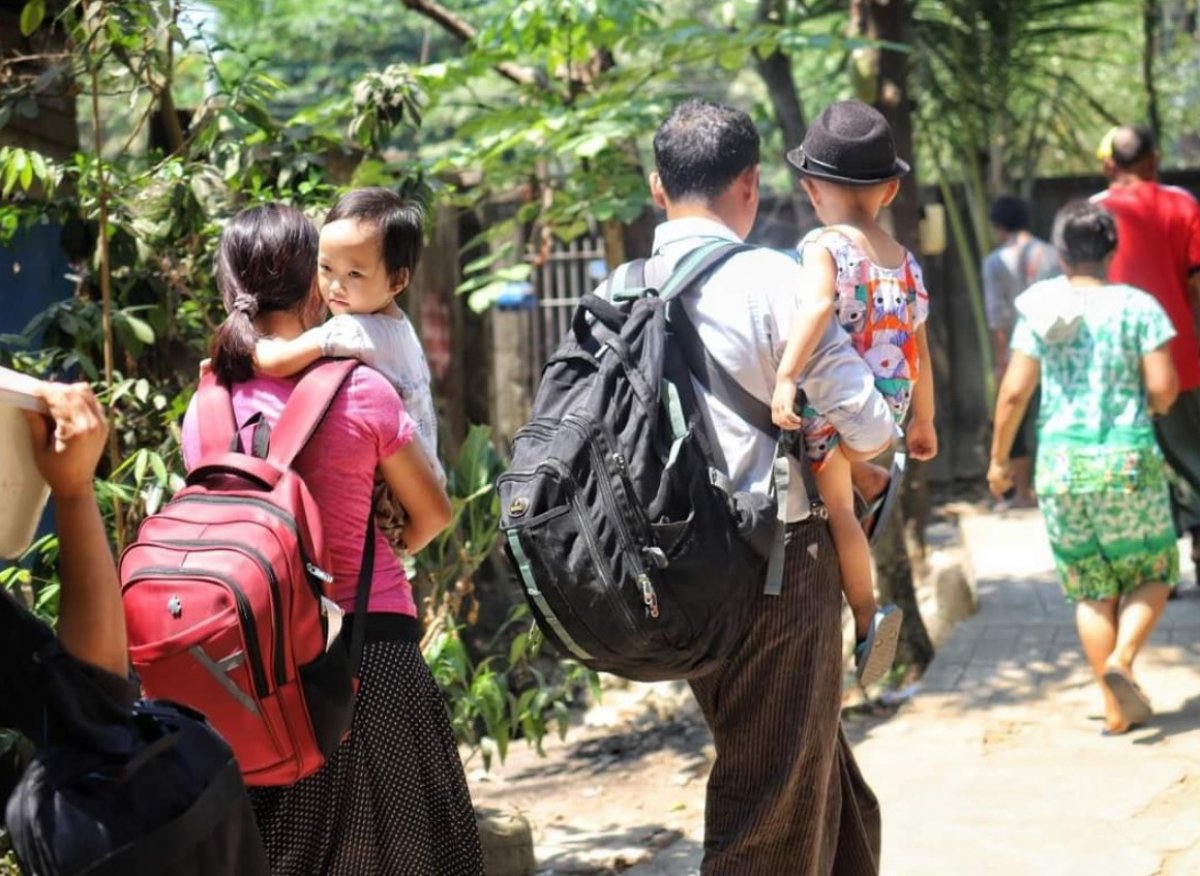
(362,597)
(186,831)
(686,277)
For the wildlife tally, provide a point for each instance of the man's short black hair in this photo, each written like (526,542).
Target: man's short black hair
(1084,233)
(1131,145)
(702,147)
(1010,213)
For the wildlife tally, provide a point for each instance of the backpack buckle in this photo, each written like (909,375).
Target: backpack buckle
(649,596)
(656,557)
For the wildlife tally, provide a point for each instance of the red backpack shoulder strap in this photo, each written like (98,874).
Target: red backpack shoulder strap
(214,416)
(305,409)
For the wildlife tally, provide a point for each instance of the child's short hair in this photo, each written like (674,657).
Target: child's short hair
(1084,233)
(400,224)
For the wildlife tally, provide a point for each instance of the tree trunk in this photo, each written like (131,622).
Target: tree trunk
(776,72)
(887,20)
(1151,18)
(892,565)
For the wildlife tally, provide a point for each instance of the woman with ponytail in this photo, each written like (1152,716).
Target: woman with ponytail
(1099,349)
(266,264)
(393,798)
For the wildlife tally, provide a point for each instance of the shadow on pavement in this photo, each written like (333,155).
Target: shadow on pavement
(684,735)
(648,848)
(1185,719)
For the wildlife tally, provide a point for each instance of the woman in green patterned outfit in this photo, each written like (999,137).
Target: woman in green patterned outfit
(1099,352)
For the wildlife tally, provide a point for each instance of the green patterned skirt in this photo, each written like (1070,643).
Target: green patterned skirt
(1110,542)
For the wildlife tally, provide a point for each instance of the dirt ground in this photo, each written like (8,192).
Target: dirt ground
(626,787)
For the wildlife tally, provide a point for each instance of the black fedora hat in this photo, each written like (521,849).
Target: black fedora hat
(850,143)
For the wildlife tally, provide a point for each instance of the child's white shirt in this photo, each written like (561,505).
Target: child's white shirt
(390,345)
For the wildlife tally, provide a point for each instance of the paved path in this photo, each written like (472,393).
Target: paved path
(998,766)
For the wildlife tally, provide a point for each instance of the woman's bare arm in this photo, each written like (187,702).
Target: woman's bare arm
(1162,383)
(1020,380)
(413,482)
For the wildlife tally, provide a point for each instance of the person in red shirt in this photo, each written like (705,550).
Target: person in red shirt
(1158,251)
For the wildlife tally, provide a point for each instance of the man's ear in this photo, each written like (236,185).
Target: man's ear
(1110,168)
(751,179)
(657,192)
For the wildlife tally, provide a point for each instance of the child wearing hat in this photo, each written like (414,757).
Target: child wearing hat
(858,274)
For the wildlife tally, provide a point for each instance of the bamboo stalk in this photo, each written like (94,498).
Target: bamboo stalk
(106,310)
(974,291)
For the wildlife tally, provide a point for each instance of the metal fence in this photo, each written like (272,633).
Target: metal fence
(570,271)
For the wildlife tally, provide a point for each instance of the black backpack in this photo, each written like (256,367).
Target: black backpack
(113,791)
(635,555)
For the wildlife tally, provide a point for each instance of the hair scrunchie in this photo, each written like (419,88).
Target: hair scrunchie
(246,303)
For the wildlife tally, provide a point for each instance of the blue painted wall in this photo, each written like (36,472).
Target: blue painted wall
(32,277)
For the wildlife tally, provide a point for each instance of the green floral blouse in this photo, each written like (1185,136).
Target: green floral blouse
(1094,430)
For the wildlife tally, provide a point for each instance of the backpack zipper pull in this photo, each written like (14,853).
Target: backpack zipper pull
(318,573)
(648,595)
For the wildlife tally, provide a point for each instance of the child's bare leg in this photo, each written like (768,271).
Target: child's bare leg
(869,479)
(854,552)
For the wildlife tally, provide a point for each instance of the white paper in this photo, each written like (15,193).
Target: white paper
(17,390)
(21,485)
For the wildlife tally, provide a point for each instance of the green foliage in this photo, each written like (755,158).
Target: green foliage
(1015,82)
(34,579)
(1011,90)
(505,695)
(316,48)
(162,212)
(458,552)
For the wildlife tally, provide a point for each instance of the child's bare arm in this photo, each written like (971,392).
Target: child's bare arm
(812,318)
(922,399)
(278,358)
(921,435)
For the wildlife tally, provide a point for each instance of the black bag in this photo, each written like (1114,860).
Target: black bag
(119,792)
(635,555)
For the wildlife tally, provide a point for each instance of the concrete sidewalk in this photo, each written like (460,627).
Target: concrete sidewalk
(998,766)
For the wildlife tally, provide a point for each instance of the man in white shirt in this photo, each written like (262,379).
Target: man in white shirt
(785,795)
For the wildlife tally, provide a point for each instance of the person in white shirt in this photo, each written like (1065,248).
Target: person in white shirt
(785,795)
(1016,264)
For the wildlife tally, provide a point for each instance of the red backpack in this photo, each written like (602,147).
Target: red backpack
(223,592)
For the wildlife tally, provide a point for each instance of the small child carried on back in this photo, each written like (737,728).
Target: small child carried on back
(858,274)
(369,247)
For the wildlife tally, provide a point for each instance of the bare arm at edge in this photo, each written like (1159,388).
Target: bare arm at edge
(91,622)
(416,487)
(1162,383)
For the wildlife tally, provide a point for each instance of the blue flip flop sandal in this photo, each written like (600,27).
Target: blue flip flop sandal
(874,655)
(874,514)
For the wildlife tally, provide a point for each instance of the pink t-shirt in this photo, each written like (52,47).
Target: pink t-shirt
(366,423)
